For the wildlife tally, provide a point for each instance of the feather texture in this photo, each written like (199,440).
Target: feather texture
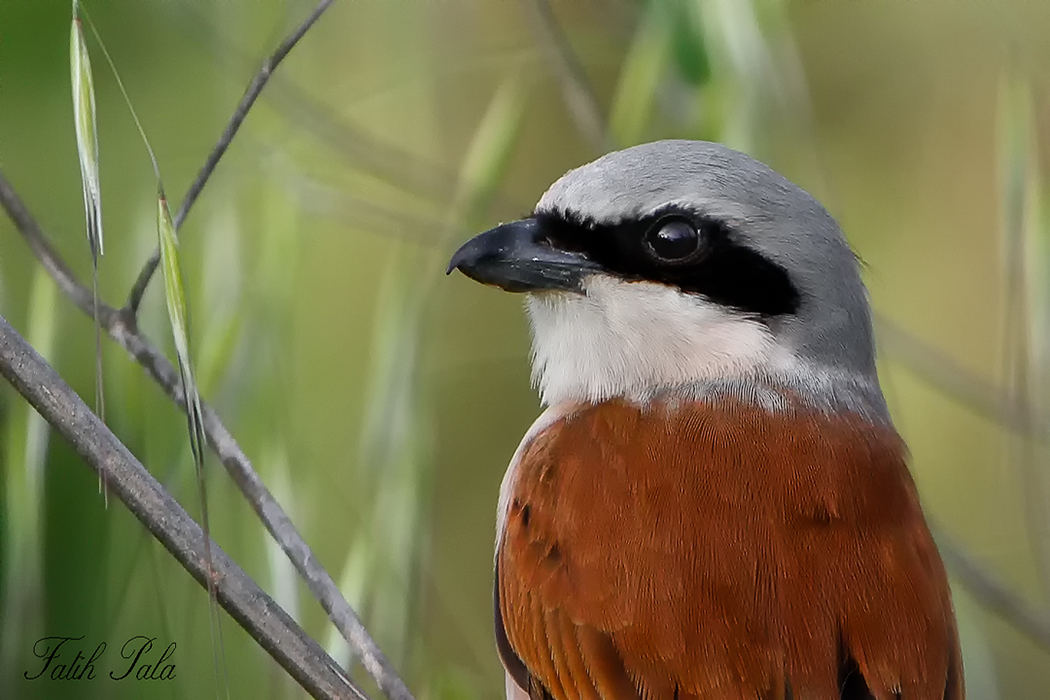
(717,550)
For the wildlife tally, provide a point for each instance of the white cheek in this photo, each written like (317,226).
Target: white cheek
(630,339)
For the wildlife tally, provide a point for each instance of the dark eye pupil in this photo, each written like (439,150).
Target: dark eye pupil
(673,240)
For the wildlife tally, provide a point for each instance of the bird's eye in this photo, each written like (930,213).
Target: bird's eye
(672,240)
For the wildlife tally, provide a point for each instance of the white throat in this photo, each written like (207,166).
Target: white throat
(631,339)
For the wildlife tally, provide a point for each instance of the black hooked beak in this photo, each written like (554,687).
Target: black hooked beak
(518,257)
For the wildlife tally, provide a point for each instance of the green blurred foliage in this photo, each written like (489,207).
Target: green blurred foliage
(380,400)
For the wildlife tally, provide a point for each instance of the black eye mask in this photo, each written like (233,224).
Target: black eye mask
(660,248)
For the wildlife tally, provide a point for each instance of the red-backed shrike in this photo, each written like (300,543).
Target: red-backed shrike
(715,504)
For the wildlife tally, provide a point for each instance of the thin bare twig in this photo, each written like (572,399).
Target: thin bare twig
(945,375)
(255,87)
(238,594)
(121,327)
(576,88)
(387,162)
(992,594)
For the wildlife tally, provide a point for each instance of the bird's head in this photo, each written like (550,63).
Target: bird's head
(677,266)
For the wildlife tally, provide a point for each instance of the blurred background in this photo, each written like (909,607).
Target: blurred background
(380,400)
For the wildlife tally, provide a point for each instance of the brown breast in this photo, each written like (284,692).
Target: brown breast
(719,550)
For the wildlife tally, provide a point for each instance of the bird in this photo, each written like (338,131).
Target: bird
(714,503)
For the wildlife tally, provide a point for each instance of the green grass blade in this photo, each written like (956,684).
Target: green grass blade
(24,456)
(489,153)
(178,318)
(640,76)
(354,583)
(175,298)
(86,127)
(1026,304)
(688,47)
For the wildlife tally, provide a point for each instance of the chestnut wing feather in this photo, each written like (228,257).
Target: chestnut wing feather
(725,551)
